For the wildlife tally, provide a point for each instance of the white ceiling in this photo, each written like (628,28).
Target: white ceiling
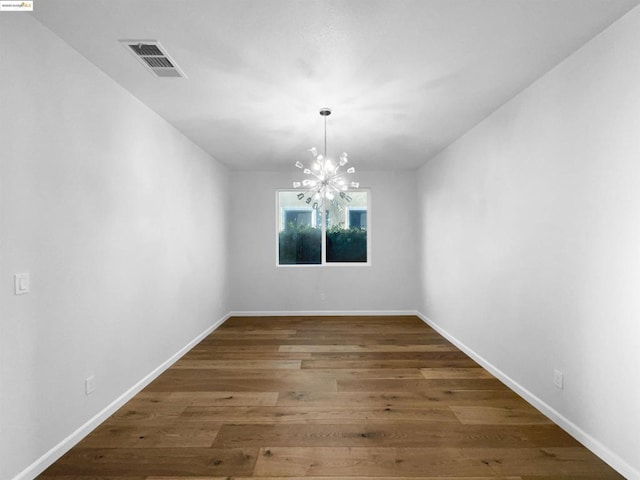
(404,78)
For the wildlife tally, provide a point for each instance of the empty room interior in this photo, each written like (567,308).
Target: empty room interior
(198,283)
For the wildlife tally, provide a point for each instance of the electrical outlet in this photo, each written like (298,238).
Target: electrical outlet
(90,385)
(558,379)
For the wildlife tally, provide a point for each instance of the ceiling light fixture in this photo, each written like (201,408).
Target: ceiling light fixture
(326,178)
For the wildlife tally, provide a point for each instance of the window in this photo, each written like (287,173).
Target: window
(304,239)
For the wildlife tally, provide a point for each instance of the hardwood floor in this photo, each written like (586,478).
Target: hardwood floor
(383,398)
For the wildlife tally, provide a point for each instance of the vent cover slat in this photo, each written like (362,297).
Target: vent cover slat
(158,62)
(142,49)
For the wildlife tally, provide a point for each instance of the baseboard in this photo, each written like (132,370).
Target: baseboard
(321,313)
(46,460)
(571,428)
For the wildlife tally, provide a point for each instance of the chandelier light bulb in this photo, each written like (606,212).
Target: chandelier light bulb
(307,171)
(297,184)
(299,165)
(351,170)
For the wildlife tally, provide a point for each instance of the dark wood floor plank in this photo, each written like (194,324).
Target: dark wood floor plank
(238,364)
(293,375)
(224,399)
(408,399)
(392,435)
(114,435)
(173,381)
(201,347)
(341,477)
(416,461)
(388,363)
(213,354)
(320,340)
(458,372)
(598,475)
(424,385)
(388,355)
(493,415)
(375,461)
(327,415)
(155,461)
(367,348)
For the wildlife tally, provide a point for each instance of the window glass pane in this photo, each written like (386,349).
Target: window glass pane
(299,231)
(347,229)
(296,218)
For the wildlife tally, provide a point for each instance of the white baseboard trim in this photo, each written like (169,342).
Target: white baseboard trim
(46,460)
(571,428)
(321,313)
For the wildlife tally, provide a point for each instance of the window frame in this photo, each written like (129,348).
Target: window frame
(323,226)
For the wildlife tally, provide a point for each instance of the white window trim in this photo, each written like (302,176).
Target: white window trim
(279,218)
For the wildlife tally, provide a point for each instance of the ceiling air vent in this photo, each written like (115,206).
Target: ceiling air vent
(154,58)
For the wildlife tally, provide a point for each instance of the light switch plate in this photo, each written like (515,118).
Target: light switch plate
(22,283)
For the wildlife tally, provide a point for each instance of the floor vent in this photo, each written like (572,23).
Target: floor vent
(153,56)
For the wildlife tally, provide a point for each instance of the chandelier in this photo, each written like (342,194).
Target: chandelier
(326,178)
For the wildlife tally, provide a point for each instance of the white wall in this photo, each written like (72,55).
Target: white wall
(531,242)
(389,284)
(120,221)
